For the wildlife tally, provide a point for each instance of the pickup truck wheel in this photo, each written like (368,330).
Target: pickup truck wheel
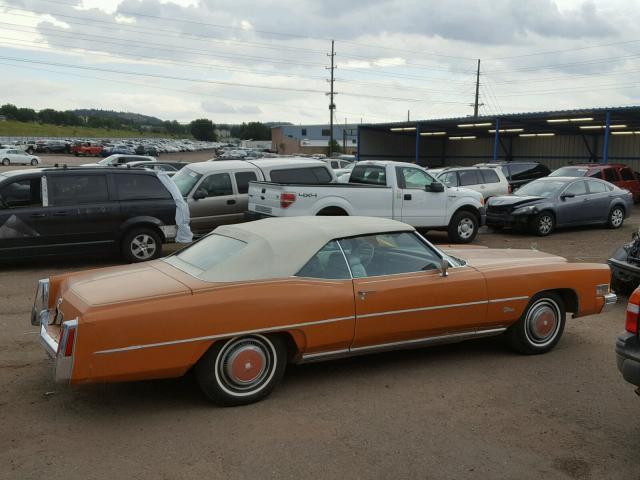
(542,224)
(463,227)
(5,161)
(242,370)
(76,154)
(141,244)
(540,327)
(616,217)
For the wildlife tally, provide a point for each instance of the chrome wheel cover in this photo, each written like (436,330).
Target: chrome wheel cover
(143,246)
(617,217)
(545,224)
(245,365)
(542,322)
(466,227)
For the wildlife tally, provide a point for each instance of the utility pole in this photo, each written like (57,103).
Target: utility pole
(332,105)
(475,105)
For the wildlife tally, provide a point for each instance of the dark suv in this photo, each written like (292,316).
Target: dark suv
(519,173)
(53,211)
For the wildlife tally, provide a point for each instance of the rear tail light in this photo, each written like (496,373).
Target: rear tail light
(287,199)
(67,338)
(631,324)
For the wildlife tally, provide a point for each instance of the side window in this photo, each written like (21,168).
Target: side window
(388,254)
(505,170)
(77,189)
(522,171)
(369,174)
(597,187)
(414,178)
(328,263)
(216,185)
(21,194)
(577,188)
(610,175)
(626,174)
(140,187)
(335,164)
(469,177)
(306,176)
(243,179)
(450,179)
(490,176)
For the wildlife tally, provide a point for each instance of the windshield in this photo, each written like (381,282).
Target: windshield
(207,254)
(107,161)
(185,179)
(541,188)
(569,172)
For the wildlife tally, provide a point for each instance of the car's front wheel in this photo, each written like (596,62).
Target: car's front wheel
(5,161)
(463,227)
(34,162)
(242,370)
(141,244)
(542,224)
(540,327)
(616,217)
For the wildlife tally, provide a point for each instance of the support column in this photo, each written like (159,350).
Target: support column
(417,160)
(496,140)
(607,132)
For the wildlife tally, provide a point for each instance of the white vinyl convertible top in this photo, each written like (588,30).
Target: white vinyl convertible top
(280,247)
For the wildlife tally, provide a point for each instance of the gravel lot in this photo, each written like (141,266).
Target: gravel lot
(473,410)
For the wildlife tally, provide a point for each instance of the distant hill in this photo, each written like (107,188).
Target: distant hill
(127,117)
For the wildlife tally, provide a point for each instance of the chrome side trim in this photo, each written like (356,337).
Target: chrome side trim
(406,344)
(222,335)
(49,344)
(422,309)
(510,299)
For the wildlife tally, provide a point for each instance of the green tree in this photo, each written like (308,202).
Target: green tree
(335,147)
(203,129)
(10,111)
(254,131)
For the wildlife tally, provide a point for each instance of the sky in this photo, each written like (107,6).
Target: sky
(247,60)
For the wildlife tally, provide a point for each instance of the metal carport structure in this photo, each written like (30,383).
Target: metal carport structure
(554,138)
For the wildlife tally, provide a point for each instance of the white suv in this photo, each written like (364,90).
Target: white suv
(487,181)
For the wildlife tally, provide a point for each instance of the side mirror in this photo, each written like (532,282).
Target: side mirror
(435,187)
(199,194)
(444,266)
(564,196)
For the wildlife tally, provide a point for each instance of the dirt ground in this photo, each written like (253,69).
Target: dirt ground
(474,410)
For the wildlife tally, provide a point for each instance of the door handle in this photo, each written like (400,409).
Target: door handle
(363,293)
(231,202)
(60,214)
(37,215)
(407,196)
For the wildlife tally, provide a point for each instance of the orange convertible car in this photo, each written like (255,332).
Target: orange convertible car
(245,300)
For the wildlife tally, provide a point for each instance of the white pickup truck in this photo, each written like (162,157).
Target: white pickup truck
(397,190)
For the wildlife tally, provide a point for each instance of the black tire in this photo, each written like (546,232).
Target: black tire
(332,212)
(76,154)
(141,245)
(5,162)
(47,150)
(542,224)
(616,217)
(463,227)
(242,370)
(540,327)
(34,162)
(30,151)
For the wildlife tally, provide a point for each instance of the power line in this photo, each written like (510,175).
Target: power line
(585,62)
(552,52)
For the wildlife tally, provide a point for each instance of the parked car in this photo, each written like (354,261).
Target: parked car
(216,192)
(154,166)
(86,149)
(74,210)
(628,344)
(487,181)
(14,156)
(119,159)
(54,146)
(396,190)
(337,163)
(343,174)
(519,173)
(552,202)
(616,173)
(625,266)
(243,302)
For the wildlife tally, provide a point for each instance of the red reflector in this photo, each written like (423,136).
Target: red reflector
(510,189)
(287,199)
(68,350)
(631,324)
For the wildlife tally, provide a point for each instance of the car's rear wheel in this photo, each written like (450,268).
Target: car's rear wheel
(540,327)
(5,161)
(463,227)
(242,370)
(616,217)
(542,224)
(34,162)
(141,244)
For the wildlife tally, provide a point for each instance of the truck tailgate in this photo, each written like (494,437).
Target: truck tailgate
(264,198)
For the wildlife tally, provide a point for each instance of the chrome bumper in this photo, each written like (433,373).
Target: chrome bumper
(610,300)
